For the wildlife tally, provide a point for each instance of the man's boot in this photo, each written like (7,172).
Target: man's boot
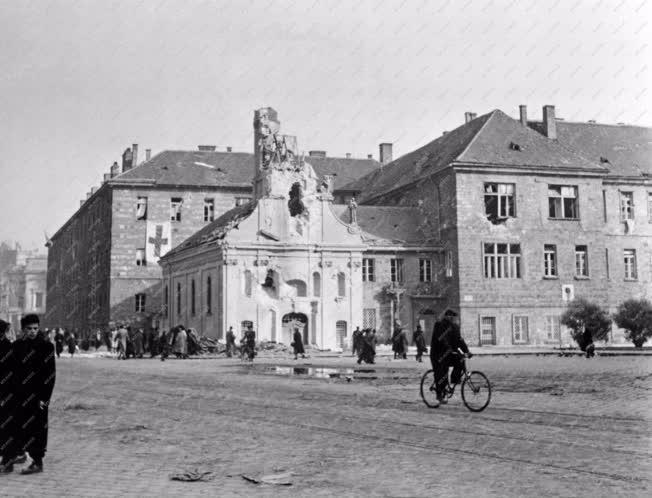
(34,468)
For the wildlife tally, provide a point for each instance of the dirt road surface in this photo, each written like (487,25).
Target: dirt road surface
(555,427)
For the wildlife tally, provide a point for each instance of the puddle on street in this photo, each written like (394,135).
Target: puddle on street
(327,373)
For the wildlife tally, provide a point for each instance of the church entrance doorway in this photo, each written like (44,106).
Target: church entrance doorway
(293,321)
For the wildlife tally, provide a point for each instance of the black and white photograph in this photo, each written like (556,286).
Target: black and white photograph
(364,248)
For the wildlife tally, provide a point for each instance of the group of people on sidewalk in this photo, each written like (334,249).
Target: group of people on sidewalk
(27,376)
(364,345)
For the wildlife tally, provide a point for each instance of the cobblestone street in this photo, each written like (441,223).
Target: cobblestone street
(555,427)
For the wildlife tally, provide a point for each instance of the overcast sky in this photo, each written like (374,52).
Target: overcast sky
(83,80)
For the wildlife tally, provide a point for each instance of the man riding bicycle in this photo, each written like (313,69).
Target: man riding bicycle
(446,341)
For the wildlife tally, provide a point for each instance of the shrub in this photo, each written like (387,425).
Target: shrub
(581,315)
(635,316)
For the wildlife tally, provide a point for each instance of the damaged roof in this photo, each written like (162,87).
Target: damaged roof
(624,150)
(493,139)
(216,230)
(233,169)
(382,225)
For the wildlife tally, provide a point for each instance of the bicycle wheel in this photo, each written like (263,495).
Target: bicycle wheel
(428,391)
(476,391)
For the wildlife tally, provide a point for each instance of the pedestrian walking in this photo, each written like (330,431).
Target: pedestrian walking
(72,344)
(230,342)
(164,344)
(420,342)
(399,341)
(368,350)
(249,344)
(180,343)
(298,344)
(356,341)
(36,373)
(58,342)
(138,343)
(122,338)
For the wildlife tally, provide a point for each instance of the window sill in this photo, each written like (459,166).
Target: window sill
(563,219)
(550,277)
(631,280)
(582,277)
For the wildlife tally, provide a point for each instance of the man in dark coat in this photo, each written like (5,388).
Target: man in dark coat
(420,343)
(58,342)
(8,392)
(298,344)
(230,342)
(446,340)
(138,343)
(356,341)
(36,373)
(399,341)
(368,350)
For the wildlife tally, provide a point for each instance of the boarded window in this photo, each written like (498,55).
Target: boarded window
(316,284)
(341,284)
(300,287)
(247,283)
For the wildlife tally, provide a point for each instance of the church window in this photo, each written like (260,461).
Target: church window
(396,270)
(192,297)
(141,208)
(140,257)
(341,284)
(316,284)
(295,204)
(175,208)
(368,269)
(247,283)
(300,287)
(140,303)
(167,302)
(209,296)
(449,263)
(178,300)
(499,200)
(425,270)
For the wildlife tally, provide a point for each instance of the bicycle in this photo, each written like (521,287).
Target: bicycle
(475,389)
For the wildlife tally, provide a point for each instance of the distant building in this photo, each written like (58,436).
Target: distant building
(22,283)
(102,263)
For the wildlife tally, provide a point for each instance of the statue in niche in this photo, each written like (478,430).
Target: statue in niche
(353,211)
(269,280)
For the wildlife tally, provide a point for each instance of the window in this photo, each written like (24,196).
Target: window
(239,201)
(549,261)
(300,286)
(175,208)
(192,297)
(369,318)
(630,264)
(341,284)
(520,329)
(552,328)
(368,269)
(209,296)
(141,208)
(247,283)
(499,200)
(449,263)
(581,261)
(38,299)
(396,269)
(140,257)
(606,261)
(140,303)
(502,260)
(649,207)
(209,209)
(425,270)
(487,330)
(316,284)
(562,202)
(178,300)
(626,206)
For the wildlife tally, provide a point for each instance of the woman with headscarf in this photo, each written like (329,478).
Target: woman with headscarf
(298,344)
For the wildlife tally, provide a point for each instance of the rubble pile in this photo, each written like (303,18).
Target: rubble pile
(272,347)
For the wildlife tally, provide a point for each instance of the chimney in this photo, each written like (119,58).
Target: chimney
(148,154)
(81,202)
(370,156)
(88,195)
(229,149)
(93,190)
(468,116)
(115,169)
(134,154)
(206,148)
(348,155)
(549,125)
(522,109)
(385,153)
(127,160)
(107,177)
(317,153)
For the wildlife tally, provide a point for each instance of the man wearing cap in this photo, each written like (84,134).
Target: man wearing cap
(446,341)
(8,391)
(36,375)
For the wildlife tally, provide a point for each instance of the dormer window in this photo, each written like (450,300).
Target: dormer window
(515,146)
